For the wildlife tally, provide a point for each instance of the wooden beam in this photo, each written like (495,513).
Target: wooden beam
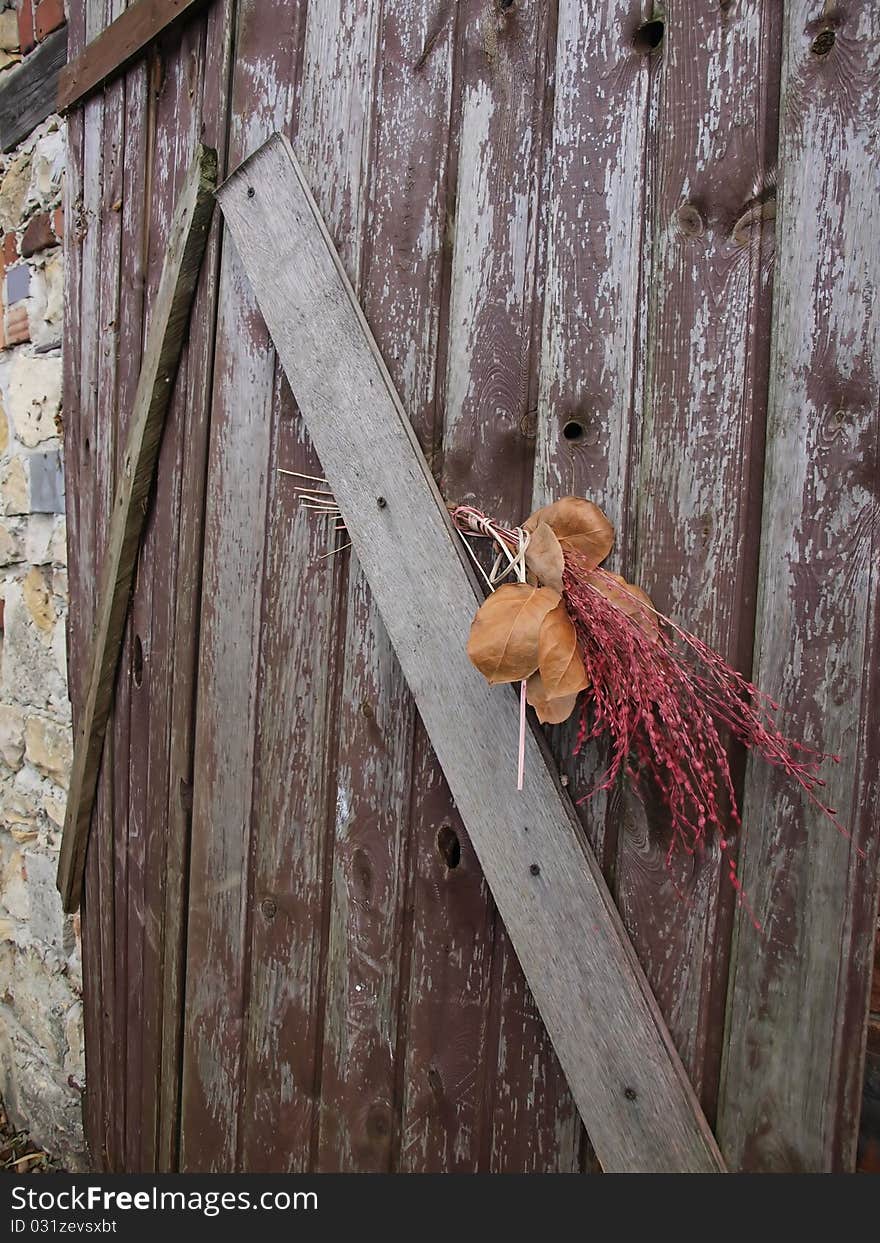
(27,93)
(797,1006)
(624,1072)
(117,46)
(186,244)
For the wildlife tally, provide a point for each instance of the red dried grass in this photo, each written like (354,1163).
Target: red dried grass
(666,703)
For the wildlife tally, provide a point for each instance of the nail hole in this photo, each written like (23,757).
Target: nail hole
(449,847)
(649,36)
(630,1094)
(138,661)
(573,430)
(823,43)
(381,502)
(87,444)
(269,907)
(251,192)
(535,870)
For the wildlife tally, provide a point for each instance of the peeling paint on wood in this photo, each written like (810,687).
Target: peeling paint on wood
(548,226)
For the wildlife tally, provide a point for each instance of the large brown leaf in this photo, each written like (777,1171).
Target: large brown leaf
(559,659)
(544,557)
(550,711)
(503,642)
(578,524)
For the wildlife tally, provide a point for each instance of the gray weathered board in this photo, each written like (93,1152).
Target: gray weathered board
(27,93)
(625,1075)
(186,244)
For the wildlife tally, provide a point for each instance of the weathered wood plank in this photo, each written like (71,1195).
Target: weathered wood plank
(354,842)
(109,819)
(593,254)
(214,1115)
(27,92)
(798,1001)
(116,47)
(99,923)
(215,78)
(624,1073)
(186,245)
(178,64)
(694,488)
(487,450)
(74,436)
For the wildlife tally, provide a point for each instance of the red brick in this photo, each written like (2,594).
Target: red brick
(26,37)
(58,223)
(10,255)
(48,17)
(38,235)
(17,327)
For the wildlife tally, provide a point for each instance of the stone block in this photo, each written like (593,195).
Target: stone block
(27,37)
(38,1097)
(14,190)
(12,743)
(38,235)
(38,541)
(33,397)
(17,329)
(46,482)
(18,283)
(13,536)
(9,37)
(49,747)
(48,16)
(32,673)
(15,487)
(48,923)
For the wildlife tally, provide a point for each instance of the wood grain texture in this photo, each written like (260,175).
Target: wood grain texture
(115,47)
(695,481)
(798,993)
(486,458)
(592,255)
(27,92)
(624,1073)
(186,245)
(219,921)
(215,80)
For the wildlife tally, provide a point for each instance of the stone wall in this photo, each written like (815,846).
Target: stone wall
(41,1050)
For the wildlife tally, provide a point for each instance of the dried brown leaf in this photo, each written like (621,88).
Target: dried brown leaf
(631,600)
(559,659)
(544,557)
(503,642)
(551,711)
(578,524)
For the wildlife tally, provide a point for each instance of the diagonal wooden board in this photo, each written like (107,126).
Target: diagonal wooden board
(186,244)
(624,1072)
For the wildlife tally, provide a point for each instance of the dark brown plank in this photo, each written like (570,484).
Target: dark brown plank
(215,1038)
(590,991)
(184,642)
(115,48)
(798,1002)
(28,92)
(693,505)
(85,533)
(185,250)
(487,455)
(109,822)
(178,63)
